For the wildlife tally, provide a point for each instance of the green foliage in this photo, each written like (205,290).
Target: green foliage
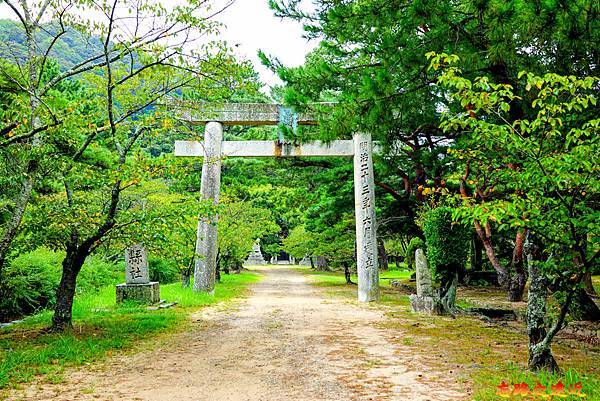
(300,243)
(98,272)
(162,270)
(29,283)
(414,244)
(447,242)
(241,223)
(544,168)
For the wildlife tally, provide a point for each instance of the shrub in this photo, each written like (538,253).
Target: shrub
(163,271)
(29,283)
(414,244)
(447,242)
(97,272)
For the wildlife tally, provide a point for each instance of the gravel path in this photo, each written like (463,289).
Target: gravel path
(286,341)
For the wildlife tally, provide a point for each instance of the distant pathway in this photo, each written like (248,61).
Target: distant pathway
(287,341)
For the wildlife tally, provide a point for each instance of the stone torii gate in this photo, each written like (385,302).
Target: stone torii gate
(214,149)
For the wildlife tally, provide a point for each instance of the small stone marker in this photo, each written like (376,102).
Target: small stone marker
(425,300)
(136,265)
(305,261)
(424,281)
(256,256)
(137,286)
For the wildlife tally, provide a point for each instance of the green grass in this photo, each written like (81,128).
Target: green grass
(481,355)
(336,278)
(101,327)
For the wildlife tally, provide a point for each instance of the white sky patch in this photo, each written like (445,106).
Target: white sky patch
(250,26)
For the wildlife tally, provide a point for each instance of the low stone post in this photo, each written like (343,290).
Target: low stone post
(137,286)
(425,301)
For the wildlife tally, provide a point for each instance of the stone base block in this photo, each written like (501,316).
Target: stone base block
(145,293)
(255,262)
(428,305)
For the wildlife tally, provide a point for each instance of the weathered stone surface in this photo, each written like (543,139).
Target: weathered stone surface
(256,257)
(236,113)
(366,227)
(136,265)
(268,149)
(427,305)
(424,280)
(148,293)
(210,188)
(305,261)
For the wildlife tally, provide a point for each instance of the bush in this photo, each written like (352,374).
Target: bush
(97,273)
(29,283)
(414,244)
(163,271)
(447,242)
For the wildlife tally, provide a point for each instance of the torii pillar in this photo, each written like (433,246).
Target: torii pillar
(213,149)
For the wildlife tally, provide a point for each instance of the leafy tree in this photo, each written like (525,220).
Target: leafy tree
(82,136)
(300,243)
(547,167)
(371,62)
(241,223)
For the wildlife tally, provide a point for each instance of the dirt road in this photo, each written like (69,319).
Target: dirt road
(287,341)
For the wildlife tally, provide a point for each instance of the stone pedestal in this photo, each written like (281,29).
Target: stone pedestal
(427,305)
(148,293)
(425,300)
(256,257)
(305,261)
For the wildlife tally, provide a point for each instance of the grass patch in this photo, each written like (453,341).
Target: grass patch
(478,355)
(100,327)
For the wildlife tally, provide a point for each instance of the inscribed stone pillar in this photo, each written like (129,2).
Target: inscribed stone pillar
(206,240)
(364,205)
(424,280)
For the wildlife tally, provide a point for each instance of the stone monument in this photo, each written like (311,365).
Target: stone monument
(305,261)
(137,286)
(256,257)
(425,300)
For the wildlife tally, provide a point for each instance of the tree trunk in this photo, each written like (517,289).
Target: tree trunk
(584,307)
(540,353)
(186,276)
(476,254)
(484,236)
(383,258)
(321,264)
(347,273)
(312,263)
(447,293)
(71,266)
(516,285)
(587,282)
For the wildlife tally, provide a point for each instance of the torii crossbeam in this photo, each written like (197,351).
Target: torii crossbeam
(213,149)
